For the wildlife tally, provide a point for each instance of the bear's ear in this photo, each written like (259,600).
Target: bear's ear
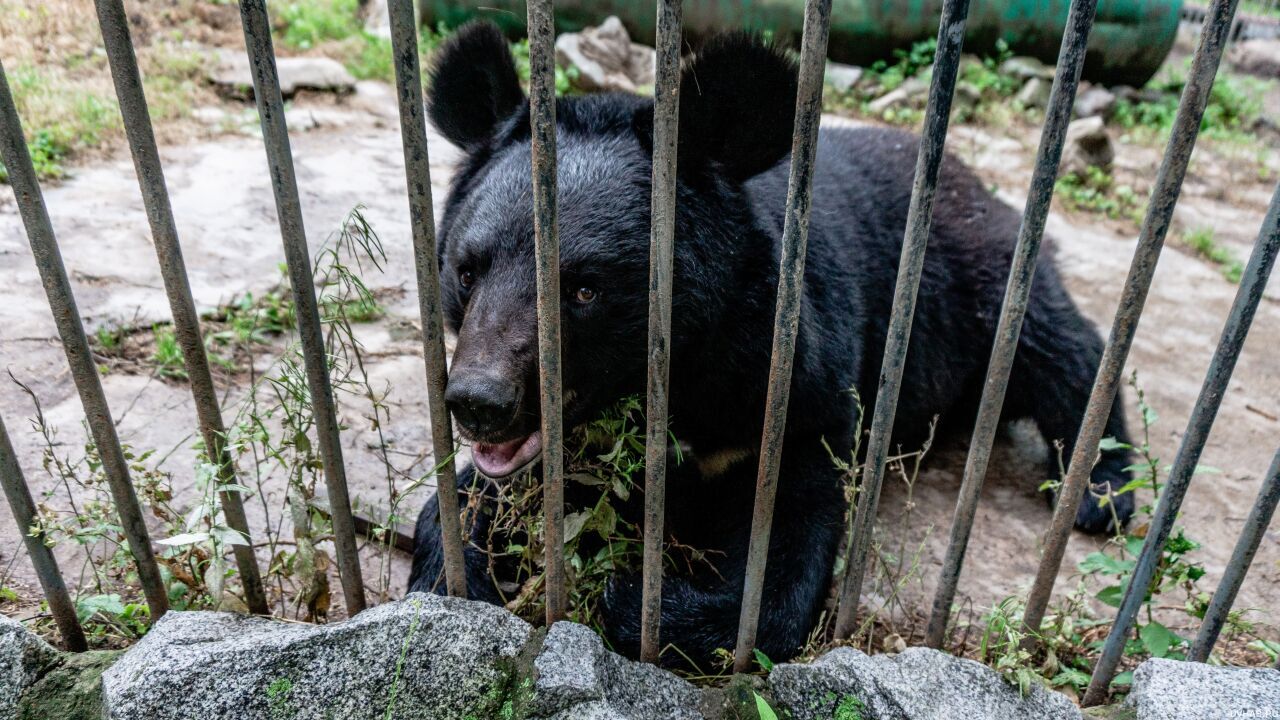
(737,106)
(474,85)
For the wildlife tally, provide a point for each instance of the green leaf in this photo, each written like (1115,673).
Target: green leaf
(574,523)
(763,660)
(1157,639)
(185,539)
(1071,676)
(762,707)
(1124,678)
(1110,443)
(1105,564)
(1133,545)
(1111,595)
(106,604)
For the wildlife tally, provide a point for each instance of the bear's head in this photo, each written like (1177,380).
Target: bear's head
(737,102)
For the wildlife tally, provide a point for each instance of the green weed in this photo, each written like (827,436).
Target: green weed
(167,356)
(1097,192)
(1201,241)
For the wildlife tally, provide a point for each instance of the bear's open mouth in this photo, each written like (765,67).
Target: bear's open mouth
(499,460)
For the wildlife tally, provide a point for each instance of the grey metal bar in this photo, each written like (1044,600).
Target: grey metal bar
(275,134)
(1021,274)
(62,302)
(1164,195)
(946,65)
(795,235)
(46,566)
(1241,558)
(542,117)
(417,165)
(186,322)
(1248,296)
(666,115)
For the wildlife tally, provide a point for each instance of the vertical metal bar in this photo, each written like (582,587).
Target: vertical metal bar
(417,165)
(1164,195)
(275,134)
(666,116)
(1249,295)
(795,235)
(1241,558)
(946,66)
(1021,274)
(62,302)
(186,322)
(24,514)
(542,117)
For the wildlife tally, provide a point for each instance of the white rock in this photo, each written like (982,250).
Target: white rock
(919,684)
(23,656)
(441,657)
(1174,690)
(606,58)
(1087,145)
(232,75)
(1257,57)
(841,77)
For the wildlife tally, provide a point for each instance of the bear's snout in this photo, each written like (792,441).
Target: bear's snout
(484,403)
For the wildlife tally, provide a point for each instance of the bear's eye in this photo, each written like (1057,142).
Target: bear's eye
(584,295)
(466,279)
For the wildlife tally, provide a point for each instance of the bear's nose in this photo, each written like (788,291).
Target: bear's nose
(482,403)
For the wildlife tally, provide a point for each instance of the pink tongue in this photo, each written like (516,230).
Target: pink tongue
(498,460)
(500,454)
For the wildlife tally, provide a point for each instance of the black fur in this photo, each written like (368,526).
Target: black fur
(737,104)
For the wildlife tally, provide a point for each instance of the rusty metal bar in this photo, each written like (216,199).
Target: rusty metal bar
(46,566)
(62,302)
(186,322)
(795,235)
(1252,284)
(542,117)
(417,165)
(666,115)
(1164,195)
(1241,558)
(1021,274)
(275,135)
(946,65)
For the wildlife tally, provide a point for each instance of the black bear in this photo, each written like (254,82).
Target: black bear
(737,102)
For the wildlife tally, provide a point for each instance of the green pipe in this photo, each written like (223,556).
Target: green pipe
(1130,39)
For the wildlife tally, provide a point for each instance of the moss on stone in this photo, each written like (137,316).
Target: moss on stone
(72,690)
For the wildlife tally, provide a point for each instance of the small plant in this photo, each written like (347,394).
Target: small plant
(1203,243)
(167,355)
(1096,192)
(565,76)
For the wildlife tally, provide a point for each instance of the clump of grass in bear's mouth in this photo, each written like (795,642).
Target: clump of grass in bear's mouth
(604,479)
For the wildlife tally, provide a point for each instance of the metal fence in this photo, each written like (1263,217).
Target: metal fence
(1216,28)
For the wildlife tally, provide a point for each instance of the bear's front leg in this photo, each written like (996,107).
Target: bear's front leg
(700,611)
(427,574)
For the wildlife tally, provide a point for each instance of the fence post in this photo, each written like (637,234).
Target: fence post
(62,302)
(1252,284)
(1186,127)
(186,322)
(946,66)
(275,135)
(46,566)
(666,117)
(542,117)
(417,166)
(1021,273)
(795,235)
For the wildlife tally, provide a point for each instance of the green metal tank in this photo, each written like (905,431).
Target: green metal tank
(1129,42)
